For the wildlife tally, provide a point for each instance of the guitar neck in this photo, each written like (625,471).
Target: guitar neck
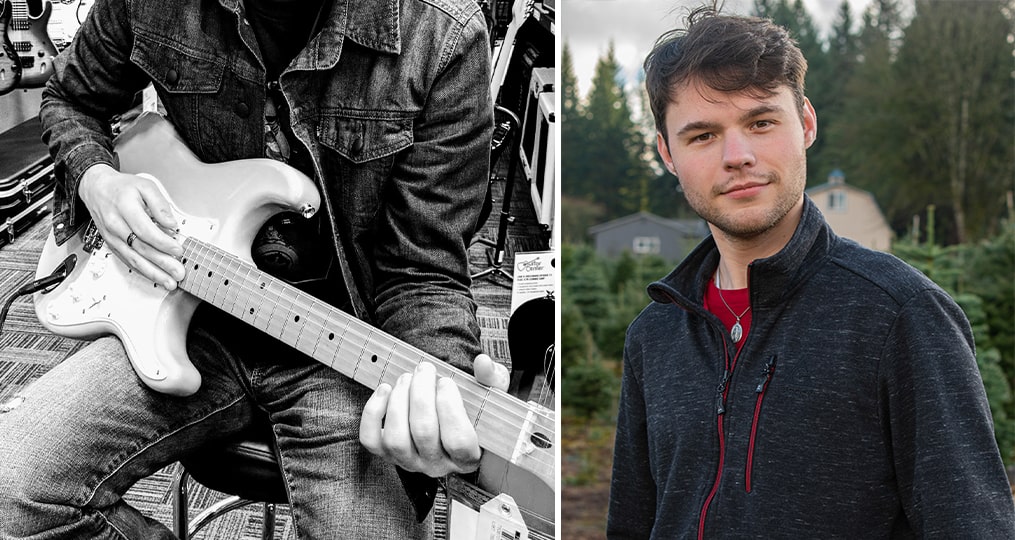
(517,431)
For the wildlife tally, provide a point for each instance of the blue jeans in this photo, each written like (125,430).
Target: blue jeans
(74,441)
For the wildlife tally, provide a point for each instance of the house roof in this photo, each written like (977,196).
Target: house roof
(839,185)
(687,227)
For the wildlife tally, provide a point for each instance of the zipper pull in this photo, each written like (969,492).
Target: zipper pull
(720,398)
(766,375)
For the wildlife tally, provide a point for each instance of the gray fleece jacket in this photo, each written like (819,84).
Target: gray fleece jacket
(854,409)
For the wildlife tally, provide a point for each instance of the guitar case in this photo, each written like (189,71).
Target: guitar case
(26,179)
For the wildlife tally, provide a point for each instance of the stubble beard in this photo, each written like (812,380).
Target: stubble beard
(736,225)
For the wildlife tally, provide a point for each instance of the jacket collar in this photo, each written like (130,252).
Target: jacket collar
(770,279)
(373,24)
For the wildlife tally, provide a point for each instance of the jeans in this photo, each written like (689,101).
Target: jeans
(78,438)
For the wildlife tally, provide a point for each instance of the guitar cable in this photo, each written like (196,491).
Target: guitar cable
(51,280)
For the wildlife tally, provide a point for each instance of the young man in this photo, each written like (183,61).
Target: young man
(386,105)
(785,382)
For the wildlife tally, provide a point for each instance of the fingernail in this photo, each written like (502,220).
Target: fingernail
(425,366)
(443,382)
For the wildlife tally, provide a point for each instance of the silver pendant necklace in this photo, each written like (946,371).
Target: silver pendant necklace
(737,331)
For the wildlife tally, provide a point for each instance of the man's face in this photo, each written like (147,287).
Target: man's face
(741,160)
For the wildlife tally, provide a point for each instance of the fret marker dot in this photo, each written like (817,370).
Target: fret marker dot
(296,318)
(262,284)
(209,273)
(226,282)
(251,311)
(331,336)
(373,358)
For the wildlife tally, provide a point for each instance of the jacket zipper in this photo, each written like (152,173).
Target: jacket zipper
(766,377)
(721,392)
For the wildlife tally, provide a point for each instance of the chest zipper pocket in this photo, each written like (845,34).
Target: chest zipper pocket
(766,377)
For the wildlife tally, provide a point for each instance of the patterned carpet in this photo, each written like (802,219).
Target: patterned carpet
(27,351)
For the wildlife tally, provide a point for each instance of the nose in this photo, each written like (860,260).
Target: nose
(737,151)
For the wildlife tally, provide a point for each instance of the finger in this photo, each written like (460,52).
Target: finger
(395,437)
(171,269)
(423,413)
(372,421)
(132,256)
(458,435)
(149,220)
(490,373)
(158,206)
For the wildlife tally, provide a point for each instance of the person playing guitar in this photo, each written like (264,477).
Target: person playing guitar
(385,108)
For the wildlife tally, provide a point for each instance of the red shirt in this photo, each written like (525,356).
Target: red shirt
(738,301)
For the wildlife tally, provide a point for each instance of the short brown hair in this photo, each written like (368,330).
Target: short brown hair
(725,53)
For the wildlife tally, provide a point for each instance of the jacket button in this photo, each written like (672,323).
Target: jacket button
(357,146)
(172,76)
(242,109)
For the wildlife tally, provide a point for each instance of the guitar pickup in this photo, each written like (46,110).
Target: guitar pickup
(27,62)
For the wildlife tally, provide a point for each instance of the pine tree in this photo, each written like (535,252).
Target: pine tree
(613,144)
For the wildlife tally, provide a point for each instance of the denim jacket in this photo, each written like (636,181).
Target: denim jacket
(391,101)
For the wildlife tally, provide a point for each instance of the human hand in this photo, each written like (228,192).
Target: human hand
(421,425)
(125,204)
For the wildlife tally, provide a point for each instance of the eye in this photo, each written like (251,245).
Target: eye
(702,137)
(763,124)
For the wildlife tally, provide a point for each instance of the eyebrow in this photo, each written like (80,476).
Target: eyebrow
(760,110)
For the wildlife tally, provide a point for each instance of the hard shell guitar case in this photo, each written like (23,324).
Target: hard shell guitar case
(26,179)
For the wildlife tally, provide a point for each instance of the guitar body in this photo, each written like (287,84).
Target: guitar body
(10,64)
(29,35)
(103,296)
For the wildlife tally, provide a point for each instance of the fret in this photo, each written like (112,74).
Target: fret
(309,344)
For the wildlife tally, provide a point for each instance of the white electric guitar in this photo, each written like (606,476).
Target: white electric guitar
(219,208)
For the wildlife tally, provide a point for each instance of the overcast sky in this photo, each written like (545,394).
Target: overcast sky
(633,25)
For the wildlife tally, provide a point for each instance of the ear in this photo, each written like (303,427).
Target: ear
(664,152)
(810,121)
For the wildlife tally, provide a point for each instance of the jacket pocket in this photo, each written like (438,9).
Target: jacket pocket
(189,86)
(362,137)
(174,70)
(766,377)
(358,154)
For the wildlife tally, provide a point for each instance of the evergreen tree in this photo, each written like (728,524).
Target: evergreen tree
(866,141)
(842,57)
(954,71)
(574,162)
(612,142)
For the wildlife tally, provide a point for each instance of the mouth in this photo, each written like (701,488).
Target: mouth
(743,189)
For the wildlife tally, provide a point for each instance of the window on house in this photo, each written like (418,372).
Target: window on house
(646,245)
(837,201)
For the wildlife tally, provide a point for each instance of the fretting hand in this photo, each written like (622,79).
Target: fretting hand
(421,425)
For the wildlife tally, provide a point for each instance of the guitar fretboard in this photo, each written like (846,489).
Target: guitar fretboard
(522,433)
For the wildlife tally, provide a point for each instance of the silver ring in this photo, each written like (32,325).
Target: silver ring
(130,239)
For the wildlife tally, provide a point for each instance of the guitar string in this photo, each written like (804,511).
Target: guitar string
(223,260)
(486,410)
(307,307)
